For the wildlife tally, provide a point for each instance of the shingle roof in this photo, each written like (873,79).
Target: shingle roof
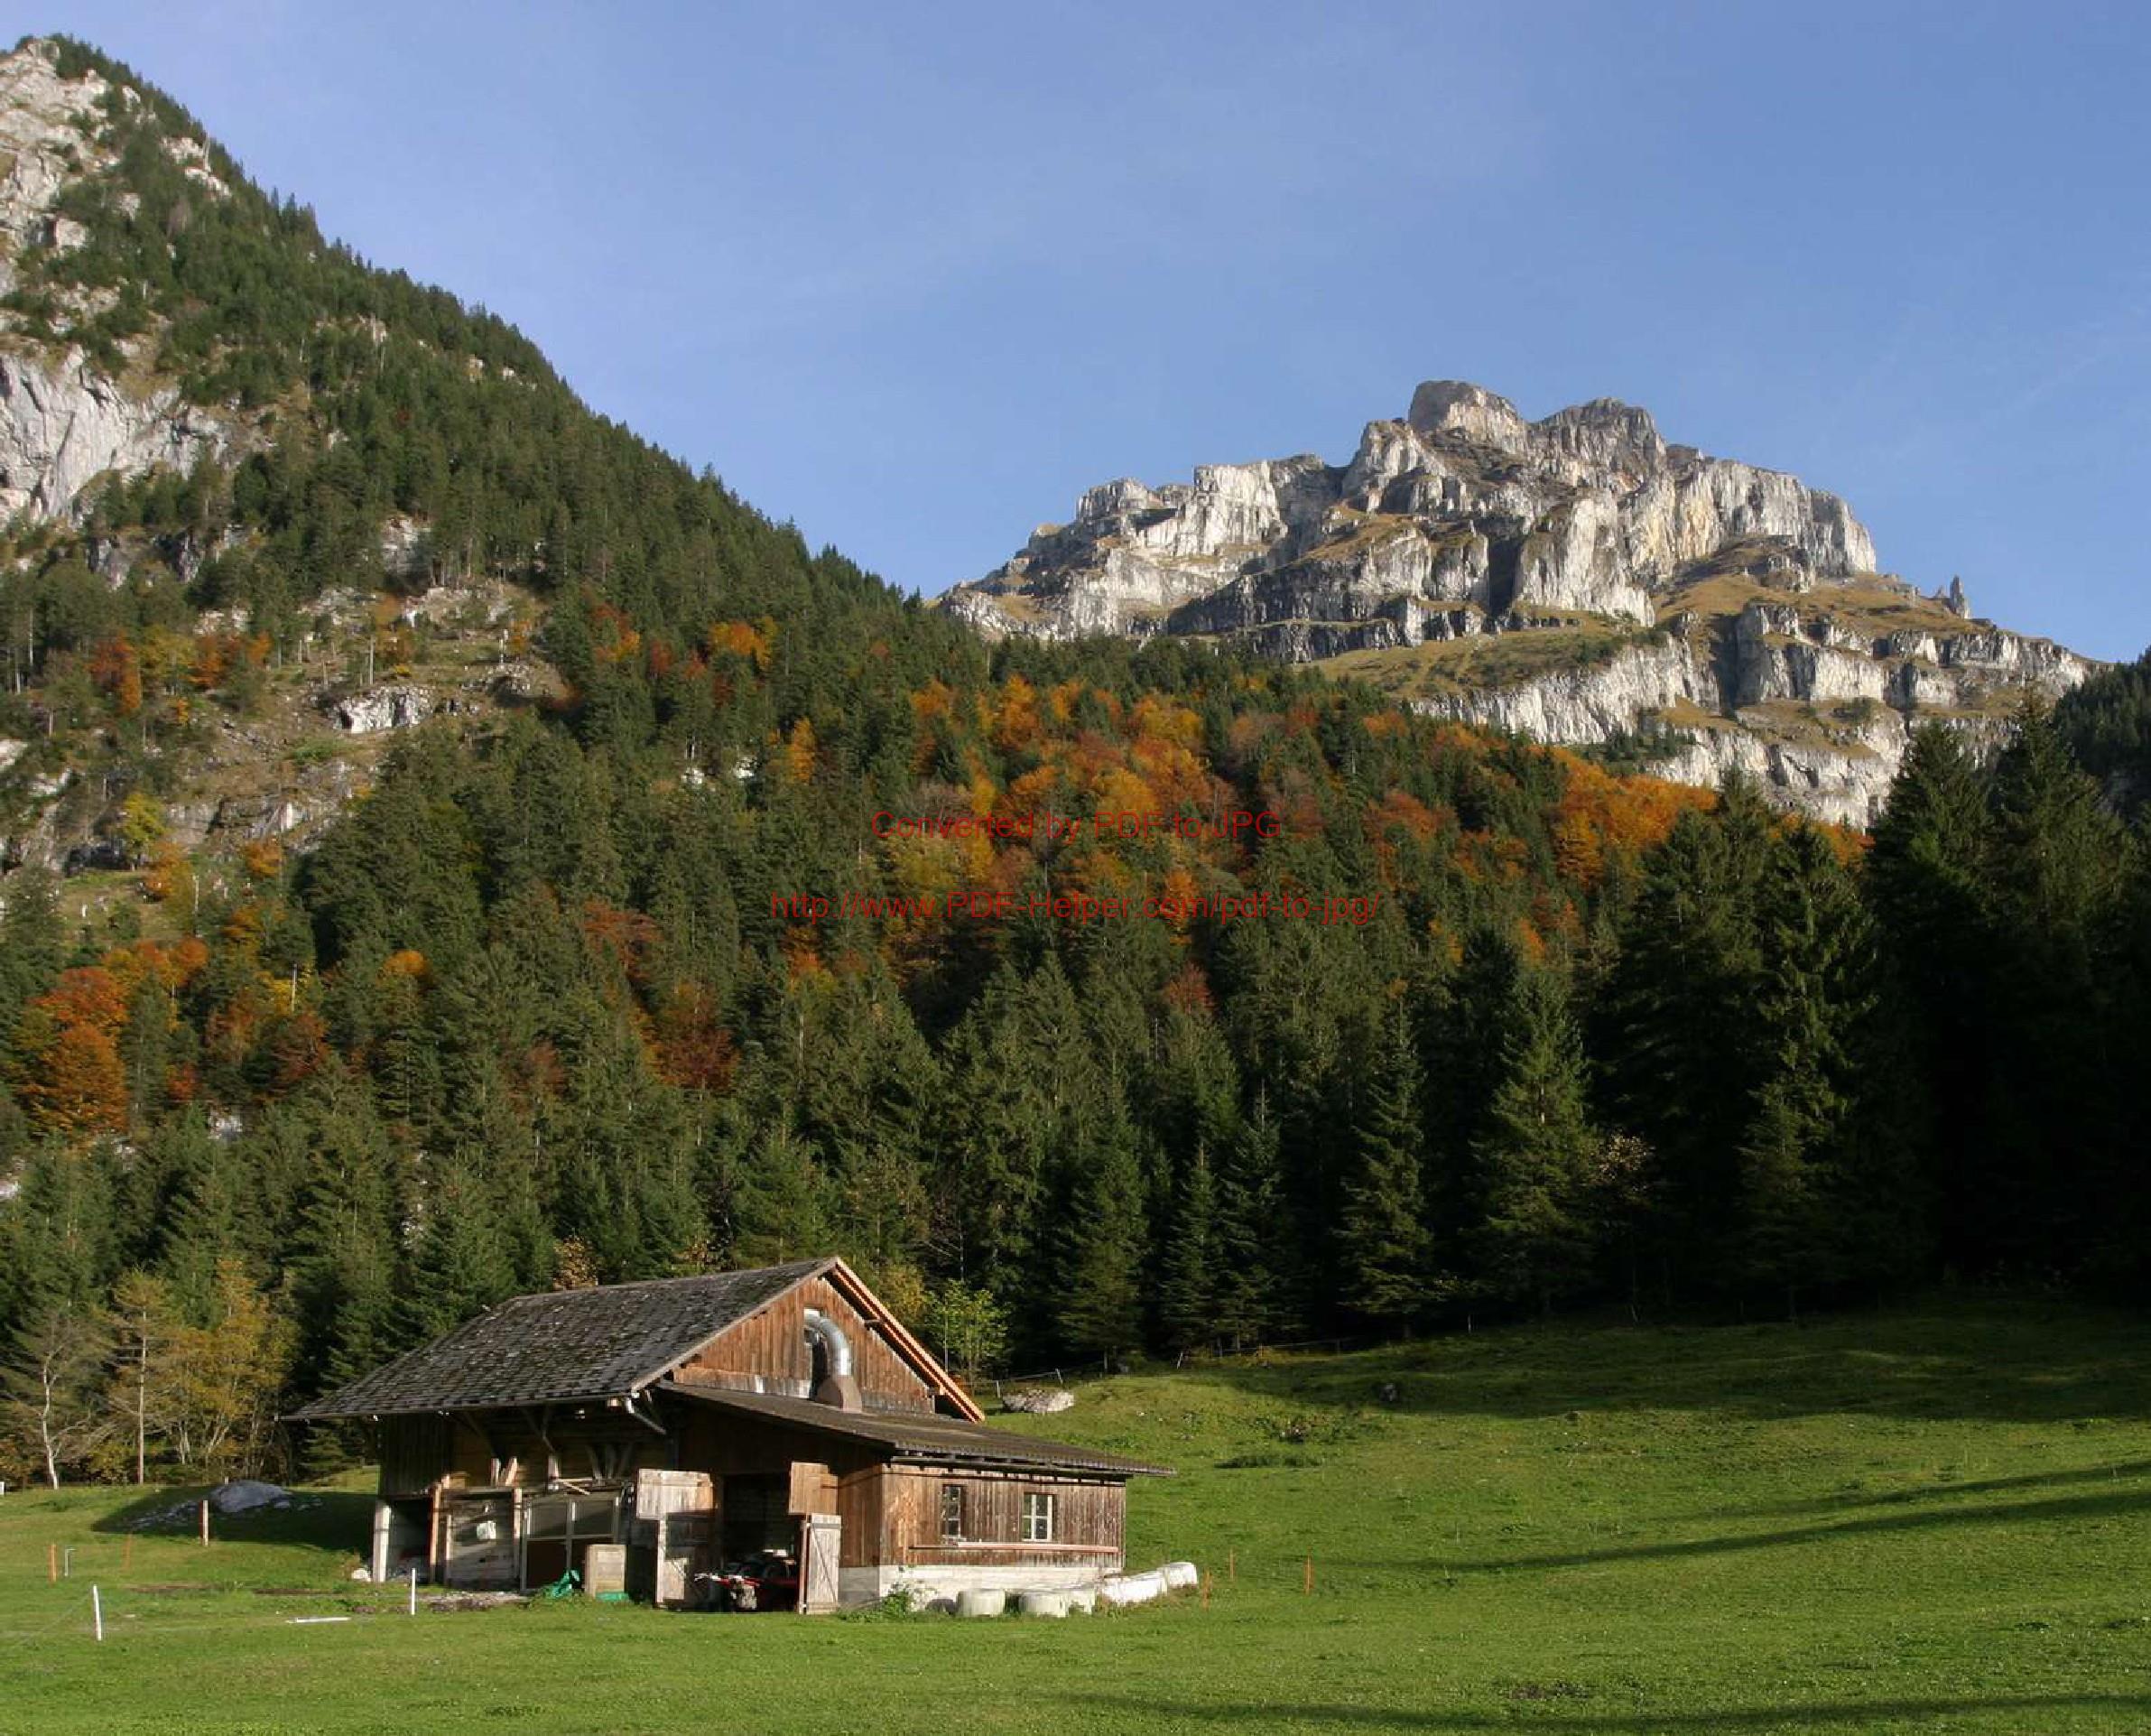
(917,1432)
(567,1344)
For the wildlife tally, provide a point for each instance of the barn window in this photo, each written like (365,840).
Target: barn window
(951,1512)
(1038,1518)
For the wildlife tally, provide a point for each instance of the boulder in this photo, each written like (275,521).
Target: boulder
(1039,1401)
(248,1495)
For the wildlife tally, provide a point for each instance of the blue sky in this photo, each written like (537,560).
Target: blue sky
(915,277)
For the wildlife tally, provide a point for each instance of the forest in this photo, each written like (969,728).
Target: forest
(533,1012)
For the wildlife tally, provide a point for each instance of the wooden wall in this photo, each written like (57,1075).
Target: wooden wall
(768,1351)
(893,1516)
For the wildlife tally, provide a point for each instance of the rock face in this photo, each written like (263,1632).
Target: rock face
(1730,614)
(63,423)
(393,705)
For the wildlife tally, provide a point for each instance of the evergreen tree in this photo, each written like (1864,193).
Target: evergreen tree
(1382,1249)
(1188,1292)
(459,1263)
(1536,1155)
(1102,1245)
(1926,883)
(1258,1281)
(1817,964)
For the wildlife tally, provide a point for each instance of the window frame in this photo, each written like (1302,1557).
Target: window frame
(952,1506)
(1040,1505)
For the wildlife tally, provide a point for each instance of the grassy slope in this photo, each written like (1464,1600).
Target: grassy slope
(1928,1521)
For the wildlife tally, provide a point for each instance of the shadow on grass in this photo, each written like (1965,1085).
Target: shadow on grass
(1940,1490)
(1951,1360)
(1861,1714)
(319,1519)
(2073,1507)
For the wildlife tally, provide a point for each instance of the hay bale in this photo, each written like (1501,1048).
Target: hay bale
(975,1602)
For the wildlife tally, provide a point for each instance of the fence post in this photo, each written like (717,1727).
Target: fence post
(1307,1581)
(52,1563)
(414,1590)
(204,1524)
(97,1614)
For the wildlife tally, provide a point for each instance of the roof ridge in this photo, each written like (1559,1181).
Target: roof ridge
(655,1284)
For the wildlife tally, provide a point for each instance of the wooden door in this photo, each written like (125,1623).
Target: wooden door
(820,1587)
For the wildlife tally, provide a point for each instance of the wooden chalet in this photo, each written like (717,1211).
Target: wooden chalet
(683,1424)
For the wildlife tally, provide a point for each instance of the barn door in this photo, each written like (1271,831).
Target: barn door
(820,1586)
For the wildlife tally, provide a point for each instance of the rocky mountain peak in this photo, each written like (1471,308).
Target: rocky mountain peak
(1470,413)
(1636,589)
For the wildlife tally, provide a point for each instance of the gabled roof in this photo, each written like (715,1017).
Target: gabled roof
(916,1435)
(564,1345)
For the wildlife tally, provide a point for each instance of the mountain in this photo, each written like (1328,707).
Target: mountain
(1577,579)
(265,509)
(451,847)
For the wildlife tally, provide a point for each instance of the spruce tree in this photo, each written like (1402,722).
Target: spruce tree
(1382,1248)
(1102,1244)
(1191,1277)
(1259,1282)
(459,1263)
(1536,1156)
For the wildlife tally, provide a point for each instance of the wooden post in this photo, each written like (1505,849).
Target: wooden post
(1206,1591)
(52,1563)
(1307,1581)
(414,1590)
(97,1614)
(204,1524)
(1232,1566)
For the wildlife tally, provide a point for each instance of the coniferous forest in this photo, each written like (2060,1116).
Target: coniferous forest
(535,1011)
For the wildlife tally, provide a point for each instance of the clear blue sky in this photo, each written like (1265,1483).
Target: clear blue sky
(914,277)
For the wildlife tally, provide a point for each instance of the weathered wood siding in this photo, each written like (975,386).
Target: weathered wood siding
(905,1508)
(768,1352)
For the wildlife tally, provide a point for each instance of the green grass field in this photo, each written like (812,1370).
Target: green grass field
(1932,1519)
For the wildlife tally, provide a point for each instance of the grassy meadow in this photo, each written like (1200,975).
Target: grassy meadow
(1929,1519)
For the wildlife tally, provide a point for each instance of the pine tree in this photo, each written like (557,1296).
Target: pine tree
(782,1208)
(1926,883)
(1818,965)
(1382,1248)
(459,1265)
(2058,873)
(1536,1156)
(1099,1289)
(1259,1282)
(1188,1289)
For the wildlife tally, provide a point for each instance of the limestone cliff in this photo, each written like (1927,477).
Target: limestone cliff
(1575,578)
(64,421)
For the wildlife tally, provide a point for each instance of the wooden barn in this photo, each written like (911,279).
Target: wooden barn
(684,1424)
